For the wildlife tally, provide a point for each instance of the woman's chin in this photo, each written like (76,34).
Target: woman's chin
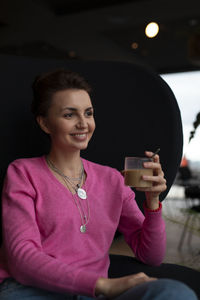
(81,146)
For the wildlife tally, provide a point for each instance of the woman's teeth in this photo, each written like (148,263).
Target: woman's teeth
(80,135)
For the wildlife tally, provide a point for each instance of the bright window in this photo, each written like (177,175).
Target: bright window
(186,88)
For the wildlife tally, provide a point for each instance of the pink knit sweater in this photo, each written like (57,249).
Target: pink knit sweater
(42,242)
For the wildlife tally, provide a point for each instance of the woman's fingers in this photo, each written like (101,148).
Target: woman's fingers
(149,154)
(140,278)
(112,288)
(156,179)
(154,189)
(122,172)
(156,167)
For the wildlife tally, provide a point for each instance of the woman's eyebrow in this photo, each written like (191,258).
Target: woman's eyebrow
(69,108)
(75,109)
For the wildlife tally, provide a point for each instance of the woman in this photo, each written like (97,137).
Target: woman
(60,212)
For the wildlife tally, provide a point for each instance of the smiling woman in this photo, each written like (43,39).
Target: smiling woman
(69,120)
(61,212)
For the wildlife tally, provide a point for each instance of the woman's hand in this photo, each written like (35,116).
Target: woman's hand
(112,288)
(159,182)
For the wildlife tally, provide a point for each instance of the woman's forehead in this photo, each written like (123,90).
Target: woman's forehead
(71,98)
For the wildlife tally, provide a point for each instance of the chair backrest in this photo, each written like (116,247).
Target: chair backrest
(135,110)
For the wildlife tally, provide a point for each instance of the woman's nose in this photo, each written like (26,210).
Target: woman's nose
(81,123)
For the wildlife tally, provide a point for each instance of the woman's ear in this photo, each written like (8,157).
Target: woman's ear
(42,122)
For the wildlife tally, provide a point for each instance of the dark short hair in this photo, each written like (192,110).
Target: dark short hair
(47,84)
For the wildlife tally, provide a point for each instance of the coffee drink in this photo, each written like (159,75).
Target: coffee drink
(133,177)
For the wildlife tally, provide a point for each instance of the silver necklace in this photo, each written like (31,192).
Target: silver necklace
(84,218)
(76,187)
(78,191)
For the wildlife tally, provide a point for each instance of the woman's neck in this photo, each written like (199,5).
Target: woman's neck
(69,163)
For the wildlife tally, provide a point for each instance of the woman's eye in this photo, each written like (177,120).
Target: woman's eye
(89,113)
(68,116)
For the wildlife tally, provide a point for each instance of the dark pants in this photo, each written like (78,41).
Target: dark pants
(162,289)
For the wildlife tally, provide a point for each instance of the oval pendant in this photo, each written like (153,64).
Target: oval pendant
(83,228)
(81,193)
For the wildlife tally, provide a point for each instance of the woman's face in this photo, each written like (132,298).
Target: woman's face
(70,121)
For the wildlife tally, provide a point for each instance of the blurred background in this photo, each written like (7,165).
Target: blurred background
(116,30)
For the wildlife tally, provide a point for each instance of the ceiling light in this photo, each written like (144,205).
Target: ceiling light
(151,30)
(134,45)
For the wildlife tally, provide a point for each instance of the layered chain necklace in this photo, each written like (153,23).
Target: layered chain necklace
(73,183)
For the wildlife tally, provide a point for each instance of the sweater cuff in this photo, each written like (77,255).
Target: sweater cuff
(153,210)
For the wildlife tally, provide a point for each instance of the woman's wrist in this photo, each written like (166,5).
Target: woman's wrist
(155,206)
(100,286)
(152,203)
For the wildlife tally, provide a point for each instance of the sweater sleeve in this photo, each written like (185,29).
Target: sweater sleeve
(26,260)
(145,234)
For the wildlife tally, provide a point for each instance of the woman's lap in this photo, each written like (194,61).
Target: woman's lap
(161,289)
(12,290)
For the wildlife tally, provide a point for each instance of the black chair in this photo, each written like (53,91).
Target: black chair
(135,111)
(121,266)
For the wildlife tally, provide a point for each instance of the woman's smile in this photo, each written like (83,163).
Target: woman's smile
(79,136)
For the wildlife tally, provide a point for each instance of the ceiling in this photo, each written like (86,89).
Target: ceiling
(104,30)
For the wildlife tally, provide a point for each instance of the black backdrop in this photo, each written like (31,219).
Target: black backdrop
(135,110)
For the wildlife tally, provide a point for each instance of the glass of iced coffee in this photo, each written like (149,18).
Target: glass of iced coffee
(134,170)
